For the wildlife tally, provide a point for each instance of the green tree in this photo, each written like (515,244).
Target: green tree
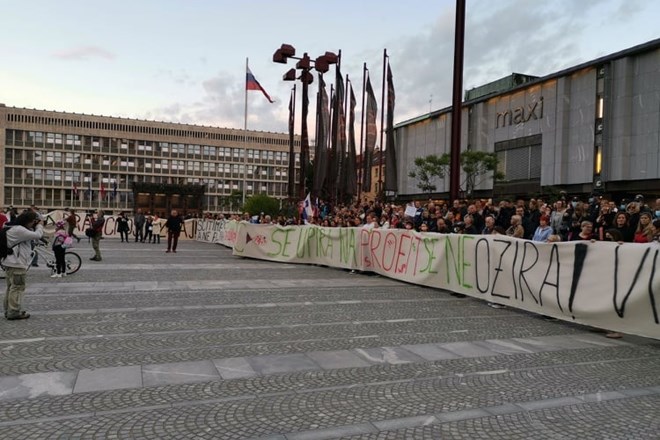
(427,169)
(259,203)
(478,166)
(233,201)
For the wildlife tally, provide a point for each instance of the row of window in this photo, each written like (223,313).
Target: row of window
(58,198)
(84,183)
(132,128)
(37,139)
(18,157)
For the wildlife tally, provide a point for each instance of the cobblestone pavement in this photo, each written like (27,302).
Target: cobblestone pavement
(203,345)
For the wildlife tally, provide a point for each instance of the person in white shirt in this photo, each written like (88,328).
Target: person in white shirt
(27,227)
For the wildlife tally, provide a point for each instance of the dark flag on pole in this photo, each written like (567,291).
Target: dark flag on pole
(370,138)
(292,155)
(321,152)
(337,147)
(390,152)
(351,172)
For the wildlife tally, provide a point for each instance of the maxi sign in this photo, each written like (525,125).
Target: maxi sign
(607,285)
(520,115)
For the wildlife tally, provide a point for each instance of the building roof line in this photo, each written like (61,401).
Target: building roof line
(640,48)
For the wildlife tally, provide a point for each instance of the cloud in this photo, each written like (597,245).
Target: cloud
(84,53)
(500,38)
(221,103)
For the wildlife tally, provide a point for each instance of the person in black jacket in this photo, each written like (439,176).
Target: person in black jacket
(173,225)
(122,227)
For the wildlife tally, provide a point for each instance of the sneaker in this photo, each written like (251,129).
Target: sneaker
(168,251)
(56,275)
(496,306)
(22,315)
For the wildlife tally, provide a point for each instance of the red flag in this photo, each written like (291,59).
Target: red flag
(75,189)
(251,83)
(102,190)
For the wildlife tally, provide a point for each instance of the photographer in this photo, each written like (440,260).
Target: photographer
(25,228)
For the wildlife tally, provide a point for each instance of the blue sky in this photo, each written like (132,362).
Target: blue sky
(184,61)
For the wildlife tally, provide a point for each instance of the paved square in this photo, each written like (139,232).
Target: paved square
(201,344)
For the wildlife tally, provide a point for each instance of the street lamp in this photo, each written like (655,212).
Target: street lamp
(304,64)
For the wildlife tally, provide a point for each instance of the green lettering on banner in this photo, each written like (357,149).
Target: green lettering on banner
(347,246)
(464,264)
(449,251)
(325,242)
(281,246)
(301,243)
(431,254)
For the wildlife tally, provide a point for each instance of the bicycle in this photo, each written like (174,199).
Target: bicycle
(72,260)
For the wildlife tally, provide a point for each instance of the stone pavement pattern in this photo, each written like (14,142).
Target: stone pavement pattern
(203,345)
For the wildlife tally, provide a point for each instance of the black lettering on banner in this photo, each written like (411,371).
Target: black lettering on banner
(523,270)
(476,264)
(513,272)
(579,255)
(499,269)
(554,254)
(621,310)
(652,297)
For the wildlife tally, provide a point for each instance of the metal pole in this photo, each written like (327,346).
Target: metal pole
(362,118)
(380,193)
(455,156)
(245,135)
(304,141)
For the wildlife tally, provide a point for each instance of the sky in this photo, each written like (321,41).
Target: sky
(184,60)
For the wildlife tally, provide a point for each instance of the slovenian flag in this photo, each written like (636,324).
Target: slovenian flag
(307,208)
(251,83)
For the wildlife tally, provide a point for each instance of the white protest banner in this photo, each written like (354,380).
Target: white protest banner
(217,231)
(607,285)
(83,221)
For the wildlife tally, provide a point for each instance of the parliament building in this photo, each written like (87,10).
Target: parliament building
(54,160)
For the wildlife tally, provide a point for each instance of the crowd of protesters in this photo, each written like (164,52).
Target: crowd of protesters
(566,219)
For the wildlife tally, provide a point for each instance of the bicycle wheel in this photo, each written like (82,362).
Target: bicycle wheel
(73,262)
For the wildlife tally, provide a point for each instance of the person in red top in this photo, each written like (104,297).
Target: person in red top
(3,219)
(645,231)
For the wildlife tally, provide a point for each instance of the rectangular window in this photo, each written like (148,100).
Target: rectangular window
(520,159)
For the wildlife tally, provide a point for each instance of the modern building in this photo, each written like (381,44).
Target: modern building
(594,127)
(54,159)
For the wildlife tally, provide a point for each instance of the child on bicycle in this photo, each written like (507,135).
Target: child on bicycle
(61,241)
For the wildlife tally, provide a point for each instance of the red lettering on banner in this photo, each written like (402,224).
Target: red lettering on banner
(375,233)
(402,268)
(390,242)
(417,254)
(364,247)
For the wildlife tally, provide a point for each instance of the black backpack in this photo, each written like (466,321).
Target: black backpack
(5,250)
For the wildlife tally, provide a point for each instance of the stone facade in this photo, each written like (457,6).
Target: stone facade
(55,159)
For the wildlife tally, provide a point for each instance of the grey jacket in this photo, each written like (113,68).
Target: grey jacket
(19,237)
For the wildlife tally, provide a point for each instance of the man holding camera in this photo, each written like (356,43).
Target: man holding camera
(25,228)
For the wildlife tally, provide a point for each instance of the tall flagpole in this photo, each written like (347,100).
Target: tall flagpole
(362,117)
(381,180)
(245,135)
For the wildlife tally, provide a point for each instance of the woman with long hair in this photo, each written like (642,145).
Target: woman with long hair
(645,229)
